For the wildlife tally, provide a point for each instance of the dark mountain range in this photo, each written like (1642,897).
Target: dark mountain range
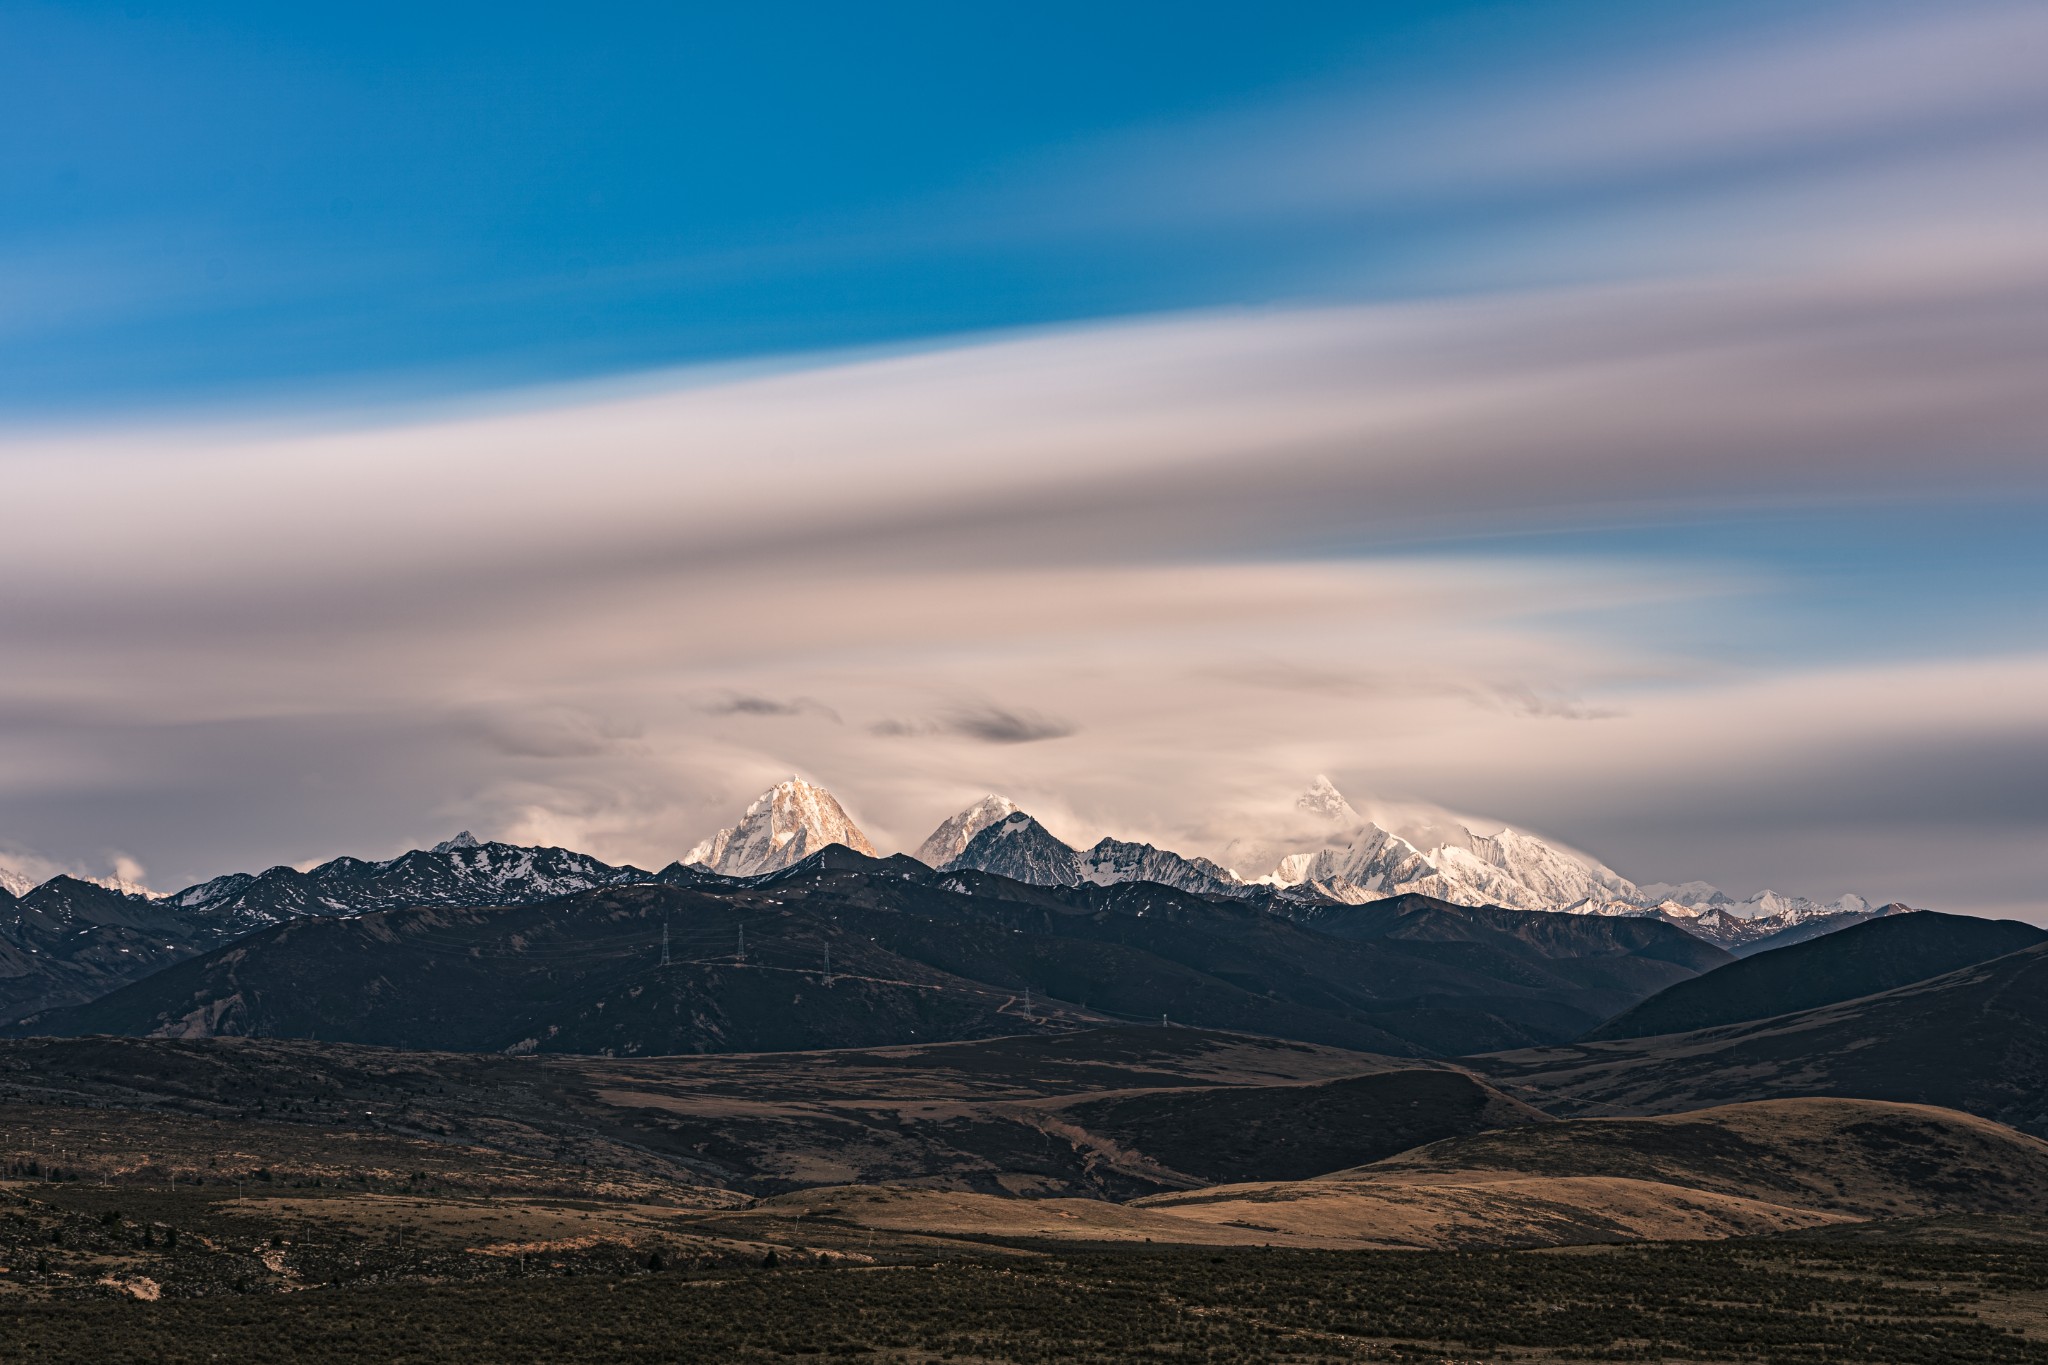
(1974,1039)
(1614,956)
(68,941)
(914,956)
(459,871)
(1867,958)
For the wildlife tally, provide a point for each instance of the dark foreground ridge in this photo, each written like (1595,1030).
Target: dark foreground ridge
(1974,1039)
(1864,959)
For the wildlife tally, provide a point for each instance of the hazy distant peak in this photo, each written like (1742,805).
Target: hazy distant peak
(1322,798)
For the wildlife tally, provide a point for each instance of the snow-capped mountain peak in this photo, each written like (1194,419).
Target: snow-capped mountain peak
(1020,848)
(784,825)
(950,839)
(15,883)
(462,840)
(1510,868)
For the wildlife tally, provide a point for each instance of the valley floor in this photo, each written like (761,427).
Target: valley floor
(103,1270)
(1867,1298)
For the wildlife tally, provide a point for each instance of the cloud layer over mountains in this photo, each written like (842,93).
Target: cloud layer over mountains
(1138,574)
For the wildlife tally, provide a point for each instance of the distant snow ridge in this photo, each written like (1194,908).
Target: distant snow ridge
(1113,860)
(1522,872)
(1020,848)
(15,883)
(1510,868)
(950,839)
(786,824)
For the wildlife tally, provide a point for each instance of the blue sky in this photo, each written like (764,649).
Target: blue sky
(220,202)
(1620,420)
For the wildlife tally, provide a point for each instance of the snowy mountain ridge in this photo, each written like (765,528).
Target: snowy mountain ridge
(1362,861)
(458,871)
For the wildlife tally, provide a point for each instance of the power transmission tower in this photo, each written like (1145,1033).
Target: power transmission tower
(664,940)
(741,956)
(1027,1002)
(828,964)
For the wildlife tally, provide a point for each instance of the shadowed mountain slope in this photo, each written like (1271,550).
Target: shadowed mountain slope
(1616,956)
(1294,1132)
(1974,1039)
(68,941)
(1862,960)
(1001,1116)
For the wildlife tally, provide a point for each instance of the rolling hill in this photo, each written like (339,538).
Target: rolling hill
(1054,1115)
(1862,960)
(1974,1039)
(1729,1171)
(1295,1132)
